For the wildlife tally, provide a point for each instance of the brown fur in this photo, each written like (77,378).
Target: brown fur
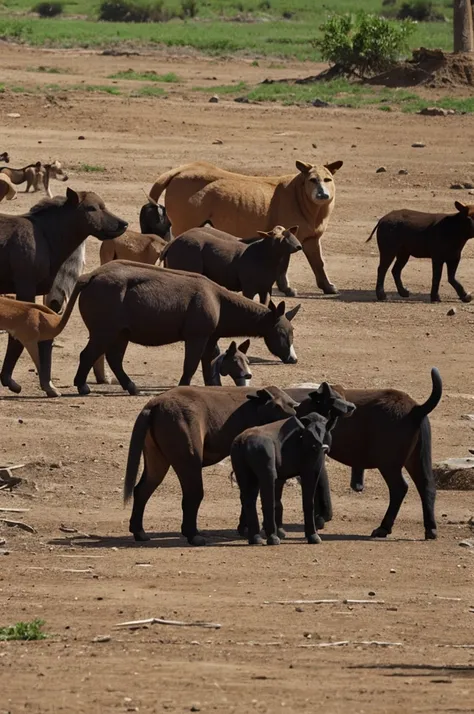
(189,428)
(45,173)
(242,205)
(250,268)
(27,173)
(7,190)
(123,302)
(5,157)
(140,247)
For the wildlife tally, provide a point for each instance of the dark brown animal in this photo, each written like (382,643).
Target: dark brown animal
(153,219)
(439,236)
(34,246)
(388,431)
(248,267)
(123,302)
(189,428)
(5,157)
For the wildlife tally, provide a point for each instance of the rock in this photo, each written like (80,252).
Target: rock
(456,186)
(469,417)
(371,593)
(470,522)
(196,707)
(214,99)
(392,570)
(217,141)
(403,172)
(466,543)
(468,184)
(451,312)
(435,112)
(14,115)
(418,145)
(455,474)
(242,100)
(320,103)
(102,638)
(381,170)
(81,138)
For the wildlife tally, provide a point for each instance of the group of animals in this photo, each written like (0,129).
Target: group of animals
(232,236)
(35,176)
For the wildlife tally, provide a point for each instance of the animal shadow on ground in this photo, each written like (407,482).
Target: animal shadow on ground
(420,670)
(351,296)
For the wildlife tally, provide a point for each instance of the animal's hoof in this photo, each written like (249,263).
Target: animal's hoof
(242,531)
(132,389)
(103,379)
(404,293)
(435,298)
(319,522)
(53,393)
(273,540)
(379,533)
(141,536)
(431,534)
(382,297)
(256,540)
(290,292)
(314,539)
(84,390)
(330,289)
(197,540)
(357,487)
(467,297)
(11,384)
(281,533)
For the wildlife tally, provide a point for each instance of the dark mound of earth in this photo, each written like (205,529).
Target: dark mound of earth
(430,68)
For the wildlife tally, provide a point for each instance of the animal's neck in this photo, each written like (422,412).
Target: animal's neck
(264,251)
(67,236)
(241,317)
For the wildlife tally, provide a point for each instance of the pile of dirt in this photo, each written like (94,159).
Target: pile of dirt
(455,474)
(430,68)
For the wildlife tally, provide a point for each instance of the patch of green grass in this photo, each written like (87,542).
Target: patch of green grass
(145,76)
(103,88)
(23,631)
(91,169)
(223,88)
(148,91)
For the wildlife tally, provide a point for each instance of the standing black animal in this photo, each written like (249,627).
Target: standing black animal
(263,455)
(153,219)
(439,236)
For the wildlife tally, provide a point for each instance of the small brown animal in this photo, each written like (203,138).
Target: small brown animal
(248,267)
(27,173)
(189,428)
(123,302)
(439,236)
(140,247)
(5,157)
(242,205)
(7,189)
(34,326)
(45,173)
(232,363)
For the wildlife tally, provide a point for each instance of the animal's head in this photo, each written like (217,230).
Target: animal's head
(319,183)
(157,220)
(283,238)
(91,213)
(272,404)
(234,363)
(315,434)
(326,401)
(5,157)
(279,335)
(467,212)
(56,171)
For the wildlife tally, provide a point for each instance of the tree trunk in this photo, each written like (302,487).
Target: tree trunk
(462,26)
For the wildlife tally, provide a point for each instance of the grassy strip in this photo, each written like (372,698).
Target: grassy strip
(23,631)
(145,76)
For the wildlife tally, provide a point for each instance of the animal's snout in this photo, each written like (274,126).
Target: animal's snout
(122,225)
(292,358)
(248,375)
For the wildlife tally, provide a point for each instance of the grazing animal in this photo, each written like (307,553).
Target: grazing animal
(242,205)
(232,363)
(4,156)
(33,247)
(45,173)
(388,431)
(439,236)
(7,189)
(27,173)
(35,326)
(140,247)
(153,219)
(262,455)
(123,302)
(250,268)
(189,428)
(66,278)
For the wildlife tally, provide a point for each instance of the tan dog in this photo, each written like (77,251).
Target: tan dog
(142,248)
(18,176)
(242,205)
(7,189)
(45,173)
(34,325)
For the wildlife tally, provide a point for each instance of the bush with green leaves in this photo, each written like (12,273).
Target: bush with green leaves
(133,11)
(48,9)
(363,44)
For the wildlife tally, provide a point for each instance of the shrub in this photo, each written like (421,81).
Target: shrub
(419,10)
(133,11)
(23,631)
(189,8)
(363,44)
(48,9)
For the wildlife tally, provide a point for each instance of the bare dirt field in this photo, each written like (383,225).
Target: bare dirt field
(265,657)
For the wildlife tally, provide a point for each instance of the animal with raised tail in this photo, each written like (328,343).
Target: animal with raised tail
(242,205)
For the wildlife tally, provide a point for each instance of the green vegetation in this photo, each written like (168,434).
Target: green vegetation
(150,76)
(48,9)
(48,70)
(104,88)
(23,631)
(223,89)
(90,169)
(148,91)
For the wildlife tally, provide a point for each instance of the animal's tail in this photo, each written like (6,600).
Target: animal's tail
(164,252)
(371,235)
(422,410)
(137,441)
(162,182)
(79,286)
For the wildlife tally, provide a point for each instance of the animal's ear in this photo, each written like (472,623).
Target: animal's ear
(294,230)
(335,166)
(461,207)
(38,165)
(280,310)
(291,313)
(324,389)
(304,167)
(244,347)
(232,349)
(72,197)
(263,234)
(314,394)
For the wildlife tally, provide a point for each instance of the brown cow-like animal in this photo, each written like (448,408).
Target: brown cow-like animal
(242,205)
(189,428)
(248,267)
(140,247)
(33,246)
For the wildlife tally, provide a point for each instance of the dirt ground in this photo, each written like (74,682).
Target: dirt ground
(266,657)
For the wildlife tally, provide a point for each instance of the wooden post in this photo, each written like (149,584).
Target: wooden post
(462,26)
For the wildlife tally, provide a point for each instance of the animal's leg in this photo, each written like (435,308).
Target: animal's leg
(437,273)
(210,353)
(279,484)
(89,355)
(265,297)
(100,372)
(190,478)
(385,262)
(12,355)
(267,477)
(309,480)
(154,470)
(193,352)
(401,261)
(322,502)
(114,356)
(357,479)
(45,350)
(242,529)
(248,485)
(282,278)
(452,266)
(397,487)
(420,469)
(312,250)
